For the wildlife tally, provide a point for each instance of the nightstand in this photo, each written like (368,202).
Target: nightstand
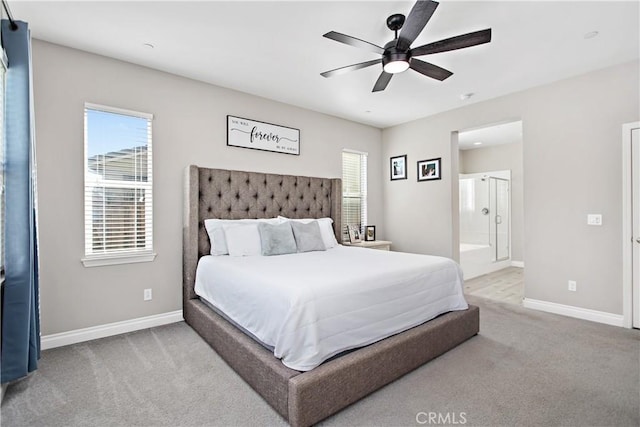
(383,245)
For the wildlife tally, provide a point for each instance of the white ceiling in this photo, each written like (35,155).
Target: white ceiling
(276,49)
(497,134)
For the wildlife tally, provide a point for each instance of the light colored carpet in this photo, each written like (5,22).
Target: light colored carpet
(524,368)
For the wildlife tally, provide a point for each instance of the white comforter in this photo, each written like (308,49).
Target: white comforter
(311,306)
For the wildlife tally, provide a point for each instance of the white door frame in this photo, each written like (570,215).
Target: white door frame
(627,226)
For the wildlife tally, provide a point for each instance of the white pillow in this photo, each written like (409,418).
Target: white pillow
(326,230)
(216,233)
(243,239)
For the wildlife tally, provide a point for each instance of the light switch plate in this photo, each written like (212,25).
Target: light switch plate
(594,219)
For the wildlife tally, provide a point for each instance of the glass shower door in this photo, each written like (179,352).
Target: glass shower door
(499,195)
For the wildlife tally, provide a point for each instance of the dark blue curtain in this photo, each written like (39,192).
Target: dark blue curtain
(20,349)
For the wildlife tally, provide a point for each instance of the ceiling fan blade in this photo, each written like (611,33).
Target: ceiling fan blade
(348,68)
(382,82)
(429,70)
(453,43)
(352,41)
(415,22)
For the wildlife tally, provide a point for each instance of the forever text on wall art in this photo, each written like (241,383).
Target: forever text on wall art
(256,135)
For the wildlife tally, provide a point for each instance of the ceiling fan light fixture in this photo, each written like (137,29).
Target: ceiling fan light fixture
(396,67)
(394,62)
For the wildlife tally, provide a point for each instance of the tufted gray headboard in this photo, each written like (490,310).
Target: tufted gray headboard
(226,194)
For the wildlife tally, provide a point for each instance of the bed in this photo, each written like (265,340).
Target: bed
(302,397)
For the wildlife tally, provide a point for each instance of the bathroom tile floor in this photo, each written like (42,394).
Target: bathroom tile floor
(506,285)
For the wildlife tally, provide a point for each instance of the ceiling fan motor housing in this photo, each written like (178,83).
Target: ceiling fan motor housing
(393,54)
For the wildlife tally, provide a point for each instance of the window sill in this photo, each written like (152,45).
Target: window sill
(102,260)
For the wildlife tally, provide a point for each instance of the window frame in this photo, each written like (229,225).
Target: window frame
(124,256)
(363,195)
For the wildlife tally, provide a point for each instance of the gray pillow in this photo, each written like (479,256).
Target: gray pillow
(276,239)
(308,236)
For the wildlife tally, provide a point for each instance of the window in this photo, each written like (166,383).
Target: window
(118,186)
(354,191)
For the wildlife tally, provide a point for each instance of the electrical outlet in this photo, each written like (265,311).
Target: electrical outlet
(594,219)
(147,295)
(573,285)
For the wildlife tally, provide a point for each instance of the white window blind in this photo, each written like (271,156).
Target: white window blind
(118,186)
(354,191)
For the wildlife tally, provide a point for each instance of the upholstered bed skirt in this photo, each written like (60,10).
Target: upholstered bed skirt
(304,398)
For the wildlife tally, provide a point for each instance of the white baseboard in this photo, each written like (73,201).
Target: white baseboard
(517,264)
(577,312)
(102,331)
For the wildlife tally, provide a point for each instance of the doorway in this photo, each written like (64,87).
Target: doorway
(631,224)
(491,210)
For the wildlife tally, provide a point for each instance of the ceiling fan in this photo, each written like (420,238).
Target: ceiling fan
(397,55)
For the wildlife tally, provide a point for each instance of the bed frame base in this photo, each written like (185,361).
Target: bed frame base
(304,398)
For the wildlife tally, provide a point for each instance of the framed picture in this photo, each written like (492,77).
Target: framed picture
(370,233)
(256,135)
(429,170)
(354,234)
(398,167)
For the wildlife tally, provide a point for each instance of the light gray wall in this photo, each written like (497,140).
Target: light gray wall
(502,157)
(571,161)
(189,128)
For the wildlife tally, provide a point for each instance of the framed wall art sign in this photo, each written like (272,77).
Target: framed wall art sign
(429,170)
(398,167)
(247,133)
